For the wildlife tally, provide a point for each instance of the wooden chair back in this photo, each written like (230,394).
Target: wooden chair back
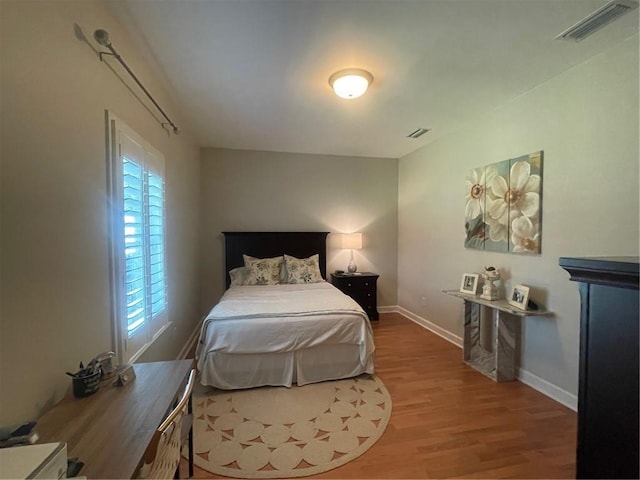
(162,457)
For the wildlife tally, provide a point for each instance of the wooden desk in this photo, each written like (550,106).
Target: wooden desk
(498,362)
(110,430)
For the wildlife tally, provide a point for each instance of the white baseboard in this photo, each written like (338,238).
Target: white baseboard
(191,341)
(432,327)
(552,391)
(388,309)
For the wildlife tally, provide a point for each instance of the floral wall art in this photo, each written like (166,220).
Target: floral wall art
(504,206)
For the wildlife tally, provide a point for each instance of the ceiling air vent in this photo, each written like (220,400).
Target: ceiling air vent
(418,132)
(598,19)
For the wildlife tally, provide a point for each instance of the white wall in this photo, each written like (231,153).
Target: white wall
(586,121)
(270,191)
(54,295)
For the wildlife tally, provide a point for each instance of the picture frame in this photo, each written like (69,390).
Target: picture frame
(469,283)
(519,296)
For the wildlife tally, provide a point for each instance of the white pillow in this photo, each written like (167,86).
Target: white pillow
(303,270)
(262,271)
(238,276)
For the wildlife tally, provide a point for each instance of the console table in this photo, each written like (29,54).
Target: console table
(498,362)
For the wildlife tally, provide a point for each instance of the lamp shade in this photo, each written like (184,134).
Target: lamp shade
(352,241)
(350,83)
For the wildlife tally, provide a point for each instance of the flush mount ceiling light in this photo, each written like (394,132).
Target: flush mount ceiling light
(350,83)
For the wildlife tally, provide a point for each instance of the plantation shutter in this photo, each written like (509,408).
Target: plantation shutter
(156,242)
(139,243)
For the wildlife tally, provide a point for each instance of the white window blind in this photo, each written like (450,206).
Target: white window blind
(138,241)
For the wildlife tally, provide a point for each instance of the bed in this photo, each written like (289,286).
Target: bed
(281,334)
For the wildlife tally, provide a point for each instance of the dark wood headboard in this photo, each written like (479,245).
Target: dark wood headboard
(273,244)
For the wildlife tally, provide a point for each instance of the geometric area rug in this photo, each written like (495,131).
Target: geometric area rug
(280,432)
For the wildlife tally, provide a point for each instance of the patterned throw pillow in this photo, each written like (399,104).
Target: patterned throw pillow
(303,270)
(262,271)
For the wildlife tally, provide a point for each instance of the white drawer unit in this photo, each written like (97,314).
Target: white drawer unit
(47,460)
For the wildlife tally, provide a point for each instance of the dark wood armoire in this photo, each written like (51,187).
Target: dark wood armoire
(608,380)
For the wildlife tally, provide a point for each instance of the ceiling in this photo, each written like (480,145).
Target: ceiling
(253,74)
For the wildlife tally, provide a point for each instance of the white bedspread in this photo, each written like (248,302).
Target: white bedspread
(284,318)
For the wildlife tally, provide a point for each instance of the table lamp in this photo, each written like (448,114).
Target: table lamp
(352,241)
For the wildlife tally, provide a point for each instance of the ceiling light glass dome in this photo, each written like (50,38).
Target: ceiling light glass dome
(350,83)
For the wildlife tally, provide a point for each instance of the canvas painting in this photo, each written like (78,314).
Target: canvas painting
(474,210)
(496,223)
(503,208)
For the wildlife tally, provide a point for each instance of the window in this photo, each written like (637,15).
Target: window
(137,241)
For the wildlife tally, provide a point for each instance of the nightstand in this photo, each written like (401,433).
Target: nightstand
(362,288)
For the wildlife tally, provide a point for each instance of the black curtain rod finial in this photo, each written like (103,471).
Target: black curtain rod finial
(102,37)
(175,129)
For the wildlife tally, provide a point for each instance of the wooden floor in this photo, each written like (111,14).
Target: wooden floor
(450,421)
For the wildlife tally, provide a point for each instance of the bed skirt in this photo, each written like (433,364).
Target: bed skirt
(229,371)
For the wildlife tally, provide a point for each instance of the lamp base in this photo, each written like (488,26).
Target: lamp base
(352,267)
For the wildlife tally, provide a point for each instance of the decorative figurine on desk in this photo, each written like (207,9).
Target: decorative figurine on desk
(489,290)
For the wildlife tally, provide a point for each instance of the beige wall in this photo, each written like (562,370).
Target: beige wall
(54,296)
(586,121)
(54,272)
(269,191)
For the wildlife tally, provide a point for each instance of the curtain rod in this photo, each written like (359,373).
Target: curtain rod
(102,37)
